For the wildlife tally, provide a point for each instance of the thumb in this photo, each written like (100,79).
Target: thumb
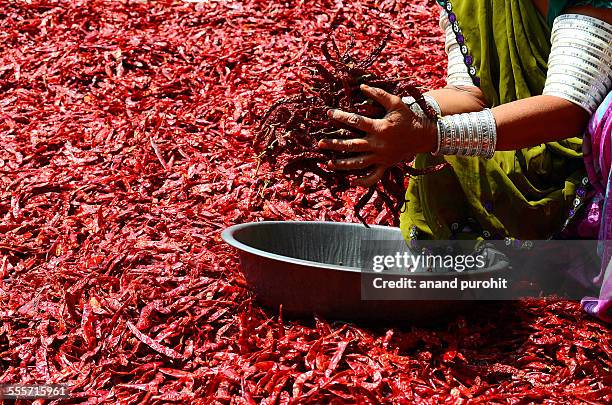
(387,100)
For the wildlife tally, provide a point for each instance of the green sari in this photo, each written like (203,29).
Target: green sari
(524,194)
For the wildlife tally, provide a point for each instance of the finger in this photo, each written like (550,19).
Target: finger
(345,145)
(387,100)
(354,120)
(357,162)
(371,179)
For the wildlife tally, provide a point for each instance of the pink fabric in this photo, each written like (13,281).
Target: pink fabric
(597,148)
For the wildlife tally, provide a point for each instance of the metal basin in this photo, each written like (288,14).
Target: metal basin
(314,268)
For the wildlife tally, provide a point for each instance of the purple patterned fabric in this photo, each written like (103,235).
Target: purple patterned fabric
(597,148)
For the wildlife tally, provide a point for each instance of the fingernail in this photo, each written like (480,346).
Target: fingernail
(330,112)
(365,86)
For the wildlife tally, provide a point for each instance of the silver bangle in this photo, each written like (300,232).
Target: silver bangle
(446,143)
(471,134)
(415,108)
(454,142)
(464,139)
(433,103)
(456,72)
(494,137)
(580,60)
(472,141)
(478,136)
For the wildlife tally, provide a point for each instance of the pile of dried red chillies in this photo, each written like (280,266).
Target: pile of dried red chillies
(290,130)
(126,133)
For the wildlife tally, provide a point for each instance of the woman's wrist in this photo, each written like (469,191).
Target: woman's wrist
(427,138)
(467,134)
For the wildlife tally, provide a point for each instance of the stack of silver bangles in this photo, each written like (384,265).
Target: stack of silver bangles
(469,134)
(580,61)
(456,70)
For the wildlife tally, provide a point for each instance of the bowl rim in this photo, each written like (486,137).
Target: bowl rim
(228,237)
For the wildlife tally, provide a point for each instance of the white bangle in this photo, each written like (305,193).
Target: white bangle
(411,102)
(580,60)
(470,134)
(456,72)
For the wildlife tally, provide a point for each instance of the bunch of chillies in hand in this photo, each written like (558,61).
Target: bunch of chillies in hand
(290,133)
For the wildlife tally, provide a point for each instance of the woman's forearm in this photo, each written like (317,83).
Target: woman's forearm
(522,123)
(535,120)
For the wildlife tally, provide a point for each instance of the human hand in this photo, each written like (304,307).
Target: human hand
(399,136)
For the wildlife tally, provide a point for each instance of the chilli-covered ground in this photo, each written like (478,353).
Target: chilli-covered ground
(125,147)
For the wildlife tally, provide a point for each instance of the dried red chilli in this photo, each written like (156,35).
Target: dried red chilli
(291,128)
(95,232)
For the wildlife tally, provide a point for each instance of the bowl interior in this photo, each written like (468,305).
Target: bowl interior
(337,244)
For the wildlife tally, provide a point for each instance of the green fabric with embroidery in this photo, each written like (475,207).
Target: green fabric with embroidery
(524,194)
